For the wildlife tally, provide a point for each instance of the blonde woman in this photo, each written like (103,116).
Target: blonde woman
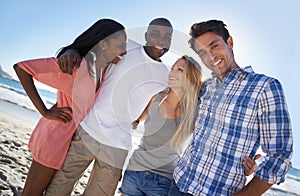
(169,122)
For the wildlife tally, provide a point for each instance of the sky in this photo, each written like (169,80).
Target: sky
(265,34)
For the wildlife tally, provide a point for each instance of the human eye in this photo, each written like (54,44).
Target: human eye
(154,35)
(122,47)
(215,45)
(168,38)
(180,69)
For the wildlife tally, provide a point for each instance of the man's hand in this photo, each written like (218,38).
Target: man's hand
(68,60)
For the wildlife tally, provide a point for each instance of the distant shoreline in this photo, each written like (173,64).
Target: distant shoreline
(28,116)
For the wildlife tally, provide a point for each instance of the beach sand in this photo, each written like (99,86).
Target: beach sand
(16,125)
(15,156)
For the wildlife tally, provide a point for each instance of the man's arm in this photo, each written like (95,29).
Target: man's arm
(275,138)
(255,187)
(68,60)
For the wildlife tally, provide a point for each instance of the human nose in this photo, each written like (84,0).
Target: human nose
(123,52)
(211,56)
(162,42)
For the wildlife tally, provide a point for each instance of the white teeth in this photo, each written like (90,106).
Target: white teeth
(160,48)
(216,63)
(172,78)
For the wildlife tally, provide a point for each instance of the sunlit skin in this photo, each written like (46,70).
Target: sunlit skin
(169,107)
(176,74)
(215,53)
(158,40)
(114,49)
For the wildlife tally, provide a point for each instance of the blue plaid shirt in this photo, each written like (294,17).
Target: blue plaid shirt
(236,116)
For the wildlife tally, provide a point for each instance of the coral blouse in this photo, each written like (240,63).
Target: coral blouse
(50,139)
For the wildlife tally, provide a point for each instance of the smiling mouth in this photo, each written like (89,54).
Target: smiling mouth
(216,63)
(161,49)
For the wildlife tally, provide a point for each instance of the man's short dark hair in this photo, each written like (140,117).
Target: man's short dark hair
(216,26)
(162,22)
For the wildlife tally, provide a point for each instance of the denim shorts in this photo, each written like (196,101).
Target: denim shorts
(140,183)
(174,191)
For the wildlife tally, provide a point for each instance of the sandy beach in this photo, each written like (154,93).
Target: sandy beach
(16,125)
(15,156)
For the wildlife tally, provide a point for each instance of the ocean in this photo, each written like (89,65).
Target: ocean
(13,92)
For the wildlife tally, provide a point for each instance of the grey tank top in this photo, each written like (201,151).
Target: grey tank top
(154,152)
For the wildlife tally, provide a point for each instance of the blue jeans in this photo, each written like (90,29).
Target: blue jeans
(139,183)
(174,191)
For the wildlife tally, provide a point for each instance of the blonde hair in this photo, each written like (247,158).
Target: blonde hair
(192,86)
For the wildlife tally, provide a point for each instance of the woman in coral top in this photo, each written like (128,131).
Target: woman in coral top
(102,45)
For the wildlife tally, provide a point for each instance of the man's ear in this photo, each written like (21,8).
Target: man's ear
(146,36)
(230,42)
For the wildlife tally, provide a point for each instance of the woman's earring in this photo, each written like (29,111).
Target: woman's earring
(103,48)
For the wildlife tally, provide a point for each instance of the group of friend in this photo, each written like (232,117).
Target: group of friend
(200,135)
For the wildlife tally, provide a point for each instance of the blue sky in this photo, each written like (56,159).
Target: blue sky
(266,35)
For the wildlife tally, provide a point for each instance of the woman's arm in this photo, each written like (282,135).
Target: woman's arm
(28,84)
(250,164)
(144,114)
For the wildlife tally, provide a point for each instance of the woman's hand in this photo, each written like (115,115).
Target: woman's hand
(250,164)
(55,113)
(135,124)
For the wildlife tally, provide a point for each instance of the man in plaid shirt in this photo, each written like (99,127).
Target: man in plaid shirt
(239,110)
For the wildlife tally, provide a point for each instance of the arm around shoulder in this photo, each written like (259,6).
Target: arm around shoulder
(68,60)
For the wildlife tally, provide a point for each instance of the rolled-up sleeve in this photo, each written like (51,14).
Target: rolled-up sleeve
(47,71)
(275,134)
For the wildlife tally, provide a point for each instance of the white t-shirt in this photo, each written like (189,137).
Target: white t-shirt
(127,88)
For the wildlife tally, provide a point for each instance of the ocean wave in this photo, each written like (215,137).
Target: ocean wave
(13,92)
(295,178)
(19,91)
(28,108)
(279,192)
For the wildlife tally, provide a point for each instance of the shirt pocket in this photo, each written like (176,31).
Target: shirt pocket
(240,111)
